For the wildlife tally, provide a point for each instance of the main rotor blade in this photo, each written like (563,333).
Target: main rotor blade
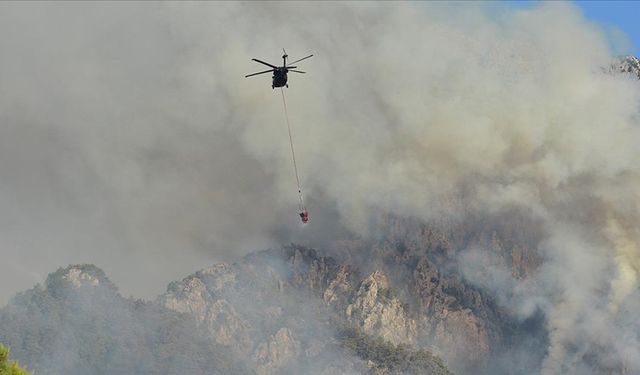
(300,59)
(255,74)
(265,63)
(297,71)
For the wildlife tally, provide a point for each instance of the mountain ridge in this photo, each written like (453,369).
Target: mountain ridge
(214,298)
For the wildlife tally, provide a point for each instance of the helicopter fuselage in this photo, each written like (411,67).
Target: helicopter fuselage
(279,78)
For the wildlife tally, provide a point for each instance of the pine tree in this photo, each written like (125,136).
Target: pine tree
(8,367)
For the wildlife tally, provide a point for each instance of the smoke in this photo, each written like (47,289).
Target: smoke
(129,139)
(113,154)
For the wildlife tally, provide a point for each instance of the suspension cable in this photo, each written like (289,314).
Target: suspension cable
(293,153)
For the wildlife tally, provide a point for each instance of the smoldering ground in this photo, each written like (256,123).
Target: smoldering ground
(130,140)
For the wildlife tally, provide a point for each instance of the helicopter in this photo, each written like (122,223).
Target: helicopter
(279,77)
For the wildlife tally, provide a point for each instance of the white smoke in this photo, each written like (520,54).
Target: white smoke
(129,134)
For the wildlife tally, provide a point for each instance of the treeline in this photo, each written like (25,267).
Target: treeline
(7,366)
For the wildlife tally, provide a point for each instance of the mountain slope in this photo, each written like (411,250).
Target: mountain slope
(78,324)
(277,311)
(284,310)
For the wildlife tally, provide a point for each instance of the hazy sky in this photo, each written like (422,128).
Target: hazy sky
(125,130)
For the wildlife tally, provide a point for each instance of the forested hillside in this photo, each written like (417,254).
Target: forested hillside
(77,323)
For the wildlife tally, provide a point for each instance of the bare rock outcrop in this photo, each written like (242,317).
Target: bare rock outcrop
(78,277)
(626,65)
(190,296)
(228,327)
(448,318)
(463,335)
(199,299)
(339,288)
(276,307)
(378,313)
(277,352)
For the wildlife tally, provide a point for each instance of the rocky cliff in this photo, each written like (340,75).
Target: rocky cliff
(407,302)
(284,308)
(627,64)
(289,310)
(281,305)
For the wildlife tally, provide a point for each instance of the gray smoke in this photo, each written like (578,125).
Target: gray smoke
(130,140)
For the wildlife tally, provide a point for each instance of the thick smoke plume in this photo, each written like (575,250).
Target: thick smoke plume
(130,139)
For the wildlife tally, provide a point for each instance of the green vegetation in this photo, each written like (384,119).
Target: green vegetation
(393,358)
(8,367)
